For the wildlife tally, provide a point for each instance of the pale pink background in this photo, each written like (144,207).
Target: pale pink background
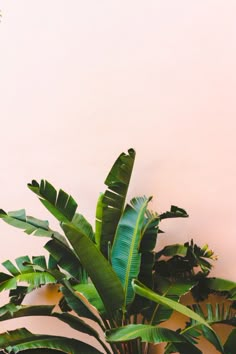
(82,81)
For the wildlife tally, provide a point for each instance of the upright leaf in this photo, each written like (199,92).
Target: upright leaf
(126,257)
(111,203)
(99,270)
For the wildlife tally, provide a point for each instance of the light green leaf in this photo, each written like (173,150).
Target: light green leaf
(140,289)
(146,333)
(90,293)
(126,257)
(78,303)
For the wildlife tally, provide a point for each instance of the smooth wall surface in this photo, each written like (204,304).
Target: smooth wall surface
(82,81)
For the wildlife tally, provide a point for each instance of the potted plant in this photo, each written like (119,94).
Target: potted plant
(114,276)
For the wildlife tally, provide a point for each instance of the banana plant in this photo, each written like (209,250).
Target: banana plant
(114,276)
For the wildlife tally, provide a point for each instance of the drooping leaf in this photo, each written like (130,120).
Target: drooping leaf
(157,313)
(111,203)
(217,314)
(184,261)
(149,232)
(25,273)
(126,257)
(76,323)
(142,290)
(29,224)
(221,285)
(182,348)
(66,259)
(60,204)
(146,333)
(11,311)
(173,250)
(77,302)
(175,212)
(90,293)
(100,271)
(23,340)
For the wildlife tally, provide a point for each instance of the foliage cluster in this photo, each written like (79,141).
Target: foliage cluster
(114,276)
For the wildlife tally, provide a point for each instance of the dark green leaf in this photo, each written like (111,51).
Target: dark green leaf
(175,212)
(21,339)
(60,204)
(111,203)
(101,273)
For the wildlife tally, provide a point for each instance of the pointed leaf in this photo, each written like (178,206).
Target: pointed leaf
(60,204)
(101,273)
(65,258)
(111,203)
(10,311)
(145,333)
(29,224)
(90,293)
(76,323)
(140,289)
(126,257)
(175,212)
(78,303)
(21,339)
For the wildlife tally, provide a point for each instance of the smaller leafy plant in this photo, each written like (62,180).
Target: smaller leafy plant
(114,276)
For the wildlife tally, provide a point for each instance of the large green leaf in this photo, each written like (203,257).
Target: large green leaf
(217,314)
(66,258)
(11,311)
(173,250)
(60,204)
(221,285)
(111,203)
(146,333)
(126,257)
(29,224)
(173,290)
(142,290)
(100,271)
(90,293)
(78,303)
(150,231)
(83,225)
(182,348)
(146,276)
(21,339)
(24,273)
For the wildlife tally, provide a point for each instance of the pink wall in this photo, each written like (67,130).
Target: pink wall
(81,81)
